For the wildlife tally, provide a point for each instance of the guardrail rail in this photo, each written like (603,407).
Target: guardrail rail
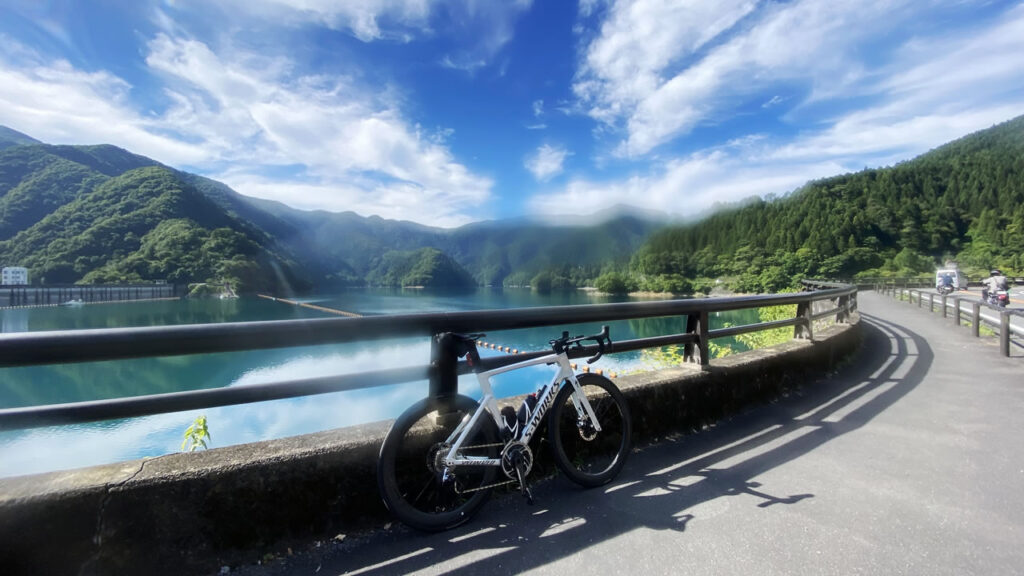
(40,348)
(963,311)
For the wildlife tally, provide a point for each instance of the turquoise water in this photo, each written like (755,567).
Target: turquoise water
(53,448)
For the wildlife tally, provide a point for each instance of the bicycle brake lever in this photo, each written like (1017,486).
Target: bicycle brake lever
(600,338)
(600,352)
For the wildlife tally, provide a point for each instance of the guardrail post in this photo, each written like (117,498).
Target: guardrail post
(805,329)
(444,380)
(698,324)
(919,297)
(956,310)
(931,303)
(843,316)
(976,318)
(1004,333)
(944,310)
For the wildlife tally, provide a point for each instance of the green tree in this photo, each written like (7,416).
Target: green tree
(612,283)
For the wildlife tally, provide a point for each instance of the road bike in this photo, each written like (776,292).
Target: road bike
(443,456)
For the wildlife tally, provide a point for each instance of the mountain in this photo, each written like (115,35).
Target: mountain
(37,179)
(10,138)
(98,214)
(962,201)
(423,268)
(104,214)
(344,248)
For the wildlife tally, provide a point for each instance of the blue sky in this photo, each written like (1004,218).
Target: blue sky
(447,112)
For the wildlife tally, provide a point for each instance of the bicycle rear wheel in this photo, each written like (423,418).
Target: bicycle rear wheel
(590,458)
(411,474)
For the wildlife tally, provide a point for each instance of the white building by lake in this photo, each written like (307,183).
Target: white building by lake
(15,275)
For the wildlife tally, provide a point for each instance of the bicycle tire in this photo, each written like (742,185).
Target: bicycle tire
(586,457)
(409,477)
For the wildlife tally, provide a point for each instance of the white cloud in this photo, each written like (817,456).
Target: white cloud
(758,165)
(659,69)
(546,162)
(482,28)
(463,63)
(367,20)
(918,92)
(538,108)
(242,115)
(639,43)
(54,102)
(690,185)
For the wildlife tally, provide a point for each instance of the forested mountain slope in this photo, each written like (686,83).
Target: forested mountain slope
(103,214)
(74,223)
(962,201)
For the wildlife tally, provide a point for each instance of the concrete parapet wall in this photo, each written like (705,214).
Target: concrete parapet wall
(192,513)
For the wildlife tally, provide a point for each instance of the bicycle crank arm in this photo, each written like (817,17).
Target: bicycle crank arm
(522,483)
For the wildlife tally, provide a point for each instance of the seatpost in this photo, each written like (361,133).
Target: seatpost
(444,361)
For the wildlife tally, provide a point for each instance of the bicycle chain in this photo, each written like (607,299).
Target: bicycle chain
(484,446)
(489,486)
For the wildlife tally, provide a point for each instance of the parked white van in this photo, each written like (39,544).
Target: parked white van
(959,278)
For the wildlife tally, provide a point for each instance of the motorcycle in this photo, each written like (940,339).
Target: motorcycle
(945,288)
(998,298)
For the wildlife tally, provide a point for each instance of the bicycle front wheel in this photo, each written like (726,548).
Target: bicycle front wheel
(588,457)
(414,483)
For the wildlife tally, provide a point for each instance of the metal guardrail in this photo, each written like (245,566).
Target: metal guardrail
(41,348)
(998,319)
(921,281)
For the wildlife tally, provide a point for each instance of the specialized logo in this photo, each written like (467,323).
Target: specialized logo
(543,405)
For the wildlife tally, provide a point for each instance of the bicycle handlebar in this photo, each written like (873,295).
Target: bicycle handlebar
(561,344)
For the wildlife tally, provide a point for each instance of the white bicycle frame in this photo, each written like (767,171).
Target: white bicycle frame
(489,405)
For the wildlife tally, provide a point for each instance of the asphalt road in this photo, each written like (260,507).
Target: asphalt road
(908,461)
(990,314)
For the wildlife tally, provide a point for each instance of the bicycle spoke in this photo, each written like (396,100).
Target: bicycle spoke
(411,468)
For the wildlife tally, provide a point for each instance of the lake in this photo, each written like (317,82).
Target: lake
(64,447)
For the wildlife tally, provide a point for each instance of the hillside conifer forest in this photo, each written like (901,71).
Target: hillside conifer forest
(963,202)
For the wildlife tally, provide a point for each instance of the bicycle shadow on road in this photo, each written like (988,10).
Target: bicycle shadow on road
(663,486)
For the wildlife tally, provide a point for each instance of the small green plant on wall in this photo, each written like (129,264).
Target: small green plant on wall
(196,435)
